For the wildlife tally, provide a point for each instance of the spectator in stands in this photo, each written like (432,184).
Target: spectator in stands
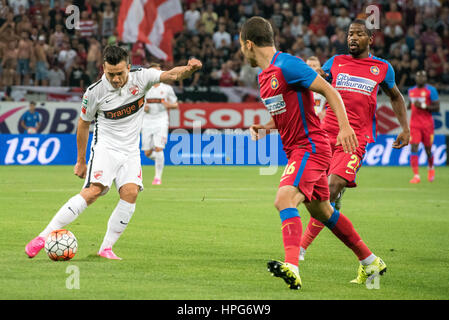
(107,21)
(88,26)
(343,20)
(17,4)
(393,16)
(56,76)
(221,37)
(94,59)
(191,18)
(24,57)
(445,77)
(138,54)
(58,37)
(296,27)
(78,77)
(9,63)
(226,76)
(277,18)
(209,19)
(248,76)
(41,62)
(66,56)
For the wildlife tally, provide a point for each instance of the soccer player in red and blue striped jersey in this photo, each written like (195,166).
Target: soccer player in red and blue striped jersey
(423,101)
(357,76)
(286,84)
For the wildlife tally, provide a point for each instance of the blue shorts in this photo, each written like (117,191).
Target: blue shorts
(23,66)
(41,71)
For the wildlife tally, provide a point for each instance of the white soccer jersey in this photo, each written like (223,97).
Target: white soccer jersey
(158,114)
(118,112)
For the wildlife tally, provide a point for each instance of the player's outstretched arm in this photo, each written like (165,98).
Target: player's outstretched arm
(346,137)
(180,73)
(258,131)
(82,136)
(399,108)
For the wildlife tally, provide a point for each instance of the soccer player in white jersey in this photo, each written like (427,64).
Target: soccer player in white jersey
(115,104)
(320,100)
(158,99)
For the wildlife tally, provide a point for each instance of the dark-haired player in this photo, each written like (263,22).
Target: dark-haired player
(423,101)
(357,77)
(286,84)
(115,103)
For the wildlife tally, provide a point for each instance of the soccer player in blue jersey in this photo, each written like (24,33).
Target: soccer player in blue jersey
(31,119)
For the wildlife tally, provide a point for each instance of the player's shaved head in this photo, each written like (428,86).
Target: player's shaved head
(259,31)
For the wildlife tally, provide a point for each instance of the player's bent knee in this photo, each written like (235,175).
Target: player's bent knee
(92,193)
(335,187)
(157,149)
(129,192)
(320,210)
(288,197)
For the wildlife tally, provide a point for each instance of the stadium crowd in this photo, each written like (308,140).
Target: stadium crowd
(36,47)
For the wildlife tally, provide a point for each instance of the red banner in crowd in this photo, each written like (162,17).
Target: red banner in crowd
(218,115)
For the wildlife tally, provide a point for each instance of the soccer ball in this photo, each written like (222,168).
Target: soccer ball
(61,245)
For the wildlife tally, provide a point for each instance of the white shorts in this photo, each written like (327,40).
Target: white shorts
(107,166)
(154,137)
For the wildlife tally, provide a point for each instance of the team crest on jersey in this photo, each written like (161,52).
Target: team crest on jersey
(134,90)
(374,70)
(274,82)
(98,174)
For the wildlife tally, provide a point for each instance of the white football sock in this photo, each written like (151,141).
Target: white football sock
(117,223)
(67,214)
(367,261)
(159,164)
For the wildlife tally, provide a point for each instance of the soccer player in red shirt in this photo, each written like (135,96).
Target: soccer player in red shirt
(286,84)
(423,101)
(357,77)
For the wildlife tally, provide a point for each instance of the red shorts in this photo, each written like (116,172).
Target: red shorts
(424,135)
(308,172)
(346,165)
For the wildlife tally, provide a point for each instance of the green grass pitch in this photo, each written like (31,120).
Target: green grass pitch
(207,233)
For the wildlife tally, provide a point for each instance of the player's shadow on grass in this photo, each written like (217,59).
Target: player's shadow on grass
(91,257)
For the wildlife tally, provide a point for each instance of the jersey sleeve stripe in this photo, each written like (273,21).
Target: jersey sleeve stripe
(304,122)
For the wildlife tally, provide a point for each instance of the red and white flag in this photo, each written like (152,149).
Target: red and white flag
(153,22)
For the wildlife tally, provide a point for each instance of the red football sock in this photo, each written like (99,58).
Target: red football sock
(291,235)
(414,163)
(313,229)
(342,227)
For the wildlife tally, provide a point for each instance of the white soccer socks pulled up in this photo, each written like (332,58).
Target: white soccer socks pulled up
(66,215)
(117,223)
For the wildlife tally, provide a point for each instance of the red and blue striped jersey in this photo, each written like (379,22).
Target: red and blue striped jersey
(357,81)
(284,92)
(422,118)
